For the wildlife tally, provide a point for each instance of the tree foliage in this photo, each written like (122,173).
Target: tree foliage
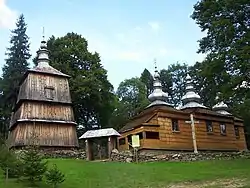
(92,93)
(147,79)
(132,95)
(226,44)
(16,65)
(34,165)
(178,73)
(54,176)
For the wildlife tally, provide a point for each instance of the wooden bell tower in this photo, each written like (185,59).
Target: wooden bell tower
(43,109)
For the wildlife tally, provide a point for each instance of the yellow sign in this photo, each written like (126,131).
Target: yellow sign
(135,141)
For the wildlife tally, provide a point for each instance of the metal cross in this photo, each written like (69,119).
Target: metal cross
(192,122)
(155,63)
(43,34)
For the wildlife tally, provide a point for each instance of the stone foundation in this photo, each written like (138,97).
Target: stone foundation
(128,156)
(72,154)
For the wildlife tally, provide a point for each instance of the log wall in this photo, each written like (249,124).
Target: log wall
(63,135)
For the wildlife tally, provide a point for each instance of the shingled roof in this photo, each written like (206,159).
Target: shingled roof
(47,70)
(146,115)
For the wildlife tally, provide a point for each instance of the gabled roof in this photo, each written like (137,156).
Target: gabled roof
(147,115)
(100,133)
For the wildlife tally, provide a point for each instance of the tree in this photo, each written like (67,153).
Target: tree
(120,115)
(147,79)
(34,165)
(54,176)
(178,73)
(91,92)
(167,83)
(16,65)
(226,44)
(227,41)
(132,95)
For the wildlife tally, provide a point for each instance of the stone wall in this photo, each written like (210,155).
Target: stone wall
(128,156)
(73,154)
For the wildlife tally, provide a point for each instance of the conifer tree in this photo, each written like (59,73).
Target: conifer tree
(16,64)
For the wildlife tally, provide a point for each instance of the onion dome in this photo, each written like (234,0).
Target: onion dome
(157,97)
(221,108)
(43,55)
(191,99)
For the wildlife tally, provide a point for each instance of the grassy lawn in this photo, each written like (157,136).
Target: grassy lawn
(156,175)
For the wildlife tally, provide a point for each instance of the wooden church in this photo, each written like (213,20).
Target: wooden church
(43,112)
(192,127)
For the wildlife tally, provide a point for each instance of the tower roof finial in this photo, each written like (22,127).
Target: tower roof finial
(43,53)
(43,36)
(155,64)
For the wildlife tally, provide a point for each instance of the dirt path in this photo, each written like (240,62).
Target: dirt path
(227,183)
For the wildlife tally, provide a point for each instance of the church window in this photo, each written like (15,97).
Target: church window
(209,126)
(236,130)
(175,125)
(49,92)
(152,135)
(223,129)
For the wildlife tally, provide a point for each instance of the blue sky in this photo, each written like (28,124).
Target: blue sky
(128,34)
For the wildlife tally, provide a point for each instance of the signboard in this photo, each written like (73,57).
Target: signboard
(135,141)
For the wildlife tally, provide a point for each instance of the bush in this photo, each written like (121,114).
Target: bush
(9,160)
(34,165)
(54,177)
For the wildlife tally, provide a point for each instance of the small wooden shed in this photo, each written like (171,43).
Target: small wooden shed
(107,136)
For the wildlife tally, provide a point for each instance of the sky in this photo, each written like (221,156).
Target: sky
(128,34)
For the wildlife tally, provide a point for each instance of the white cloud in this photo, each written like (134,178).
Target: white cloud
(7,15)
(154,25)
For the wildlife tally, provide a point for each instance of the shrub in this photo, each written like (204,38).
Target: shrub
(34,165)
(54,177)
(8,160)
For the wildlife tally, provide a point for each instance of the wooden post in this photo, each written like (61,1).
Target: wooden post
(88,157)
(193,132)
(110,148)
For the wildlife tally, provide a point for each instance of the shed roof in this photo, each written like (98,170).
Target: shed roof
(100,133)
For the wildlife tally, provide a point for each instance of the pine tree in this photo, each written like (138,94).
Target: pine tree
(16,65)
(54,176)
(34,165)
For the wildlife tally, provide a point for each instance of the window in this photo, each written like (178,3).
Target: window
(236,130)
(152,135)
(140,135)
(209,126)
(175,125)
(223,129)
(122,141)
(49,92)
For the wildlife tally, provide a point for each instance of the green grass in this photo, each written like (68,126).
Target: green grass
(129,175)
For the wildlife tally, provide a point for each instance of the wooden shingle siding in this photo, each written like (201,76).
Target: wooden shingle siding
(182,139)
